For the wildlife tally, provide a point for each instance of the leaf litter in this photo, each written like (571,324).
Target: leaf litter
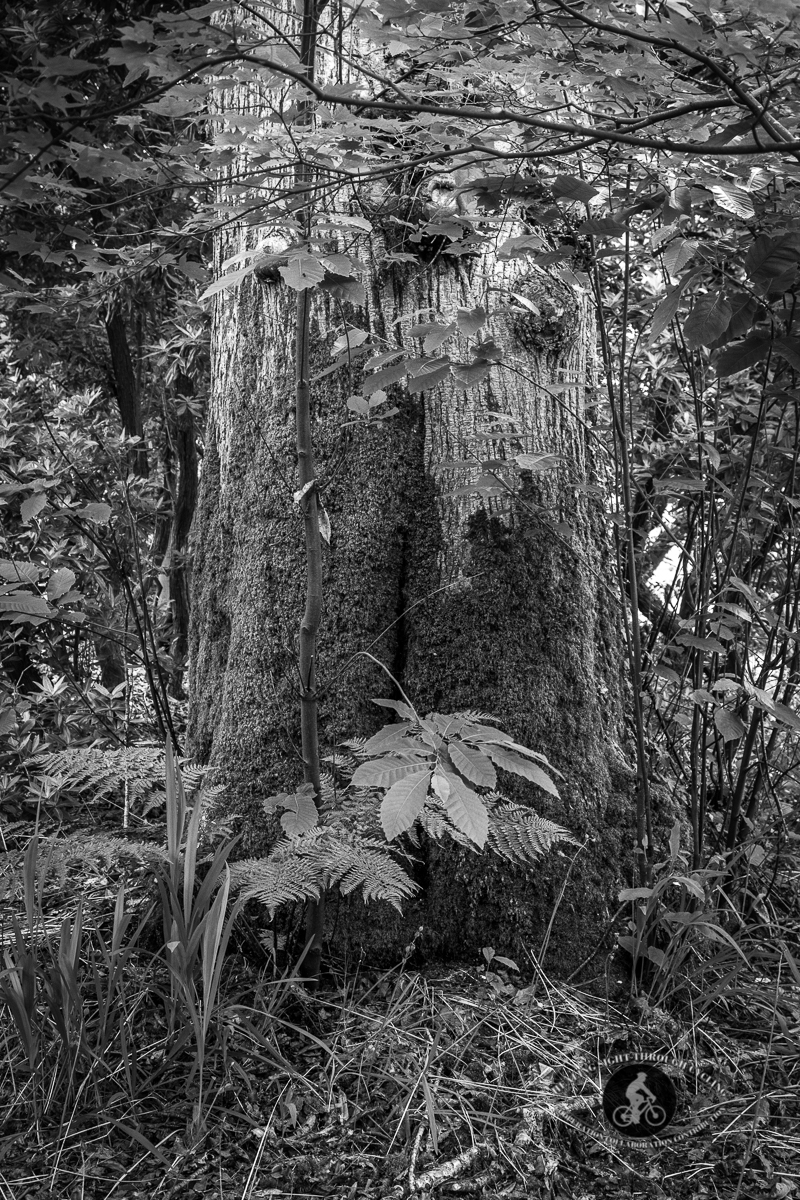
(433,1083)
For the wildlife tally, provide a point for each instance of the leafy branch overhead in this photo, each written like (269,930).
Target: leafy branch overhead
(503,98)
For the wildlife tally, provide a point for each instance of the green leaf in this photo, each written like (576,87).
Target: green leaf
(709,644)
(787,716)
(32,506)
(729,724)
(302,271)
(61,65)
(423,328)
(25,602)
(384,772)
(17,571)
(472,764)
(789,349)
(466,810)
(733,199)
(439,784)
(746,312)
(349,340)
(678,254)
(382,379)
(603,227)
(517,747)
(341,264)
(403,803)
(99,513)
(668,307)
(518,247)
(707,321)
(743,354)
(640,893)
(437,336)
(538,462)
(342,287)
(301,814)
(434,373)
(665,312)
(471,320)
(230,280)
(568,187)
(469,375)
(391,737)
(60,583)
(509,761)
(402,710)
(773,261)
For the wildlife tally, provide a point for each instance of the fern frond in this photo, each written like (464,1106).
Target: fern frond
(516,833)
(65,865)
(345,766)
(355,813)
(519,835)
(329,790)
(275,882)
(304,867)
(73,855)
(472,714)
(364,863)
(107,773)
(434,820)
(193,776)
(213,791)
(356,744)
(135,772)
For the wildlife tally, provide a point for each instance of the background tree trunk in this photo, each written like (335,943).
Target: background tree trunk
(468,608)
(127,388)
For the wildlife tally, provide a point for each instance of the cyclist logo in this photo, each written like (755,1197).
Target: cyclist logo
(639,1100)
(642,1106)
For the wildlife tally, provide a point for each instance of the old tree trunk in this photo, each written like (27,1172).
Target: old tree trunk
(503,604)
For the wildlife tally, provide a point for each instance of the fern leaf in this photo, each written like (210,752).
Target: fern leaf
(515,832)
(355,744)
(302,868)
(435,823)
(367,866)
(107,773)
(276,881)
(519,835)
(472,714)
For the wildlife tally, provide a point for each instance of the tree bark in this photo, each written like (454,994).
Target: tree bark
(180,561)
(128,398)
(468,607)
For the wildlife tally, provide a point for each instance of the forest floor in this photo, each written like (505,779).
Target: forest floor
(435,1083)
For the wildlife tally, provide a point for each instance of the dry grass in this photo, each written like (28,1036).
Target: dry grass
(456,1082)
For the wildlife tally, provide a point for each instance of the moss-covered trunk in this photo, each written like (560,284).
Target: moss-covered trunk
(502,604)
